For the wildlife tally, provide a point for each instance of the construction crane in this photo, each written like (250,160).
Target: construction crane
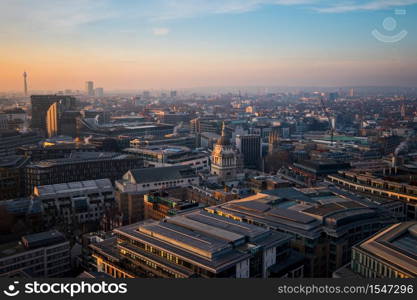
(329,119)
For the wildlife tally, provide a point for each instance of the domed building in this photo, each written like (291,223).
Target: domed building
(226,163)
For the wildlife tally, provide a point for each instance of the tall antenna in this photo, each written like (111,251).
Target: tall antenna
(25,82)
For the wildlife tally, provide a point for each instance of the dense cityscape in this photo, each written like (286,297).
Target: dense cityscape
(174,184)
(165,139)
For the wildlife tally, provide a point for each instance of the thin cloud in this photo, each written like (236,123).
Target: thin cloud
(64,15)
(365,6)
(160,31)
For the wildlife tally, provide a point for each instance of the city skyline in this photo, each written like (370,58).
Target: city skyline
(170,44)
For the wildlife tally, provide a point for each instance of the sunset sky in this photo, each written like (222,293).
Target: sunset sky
(126,44)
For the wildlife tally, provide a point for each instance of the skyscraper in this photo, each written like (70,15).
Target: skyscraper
(42,103)
(25,83)
(89,88)
(250,147)
(52,117)
(60,120)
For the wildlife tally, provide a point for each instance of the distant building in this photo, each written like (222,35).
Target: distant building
(12,140)
(273,141)
(16,119)
(205,124)
(38,255)
(172,118)
(319,169)
(99,92)
(59,150)
(185,141)
(3,121)
(89,88)
(405,195)
(207,140)
(146,95)
(60,121)
(193,245)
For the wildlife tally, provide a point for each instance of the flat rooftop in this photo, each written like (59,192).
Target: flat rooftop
(396,245)
(206,239)
(62,188)
(302,211)
(30,242)
(77,157)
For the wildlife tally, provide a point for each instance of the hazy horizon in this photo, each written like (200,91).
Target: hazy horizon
(166,44)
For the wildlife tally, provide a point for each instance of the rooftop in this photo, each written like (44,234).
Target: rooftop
(77,157)
(31,241)
(161,174)
(303,211)
(54,189)
(396,245)
(202,237)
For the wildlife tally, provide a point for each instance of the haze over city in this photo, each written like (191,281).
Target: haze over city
(127,45)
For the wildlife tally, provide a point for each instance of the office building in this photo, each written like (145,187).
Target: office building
(89,88)
(92,126)
(12,176)
(205,124)
(39,255)
(52,117)
(250,147)
(316,169)
(401,197)
(42,103)
(53,151)
(13,119)
(60,120)
(167,155)
(74,203)
(325,223)
(192,245)
(79,167)
(391,253)
(131,206)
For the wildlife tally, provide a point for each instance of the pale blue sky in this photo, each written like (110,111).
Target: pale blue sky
(167,43)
